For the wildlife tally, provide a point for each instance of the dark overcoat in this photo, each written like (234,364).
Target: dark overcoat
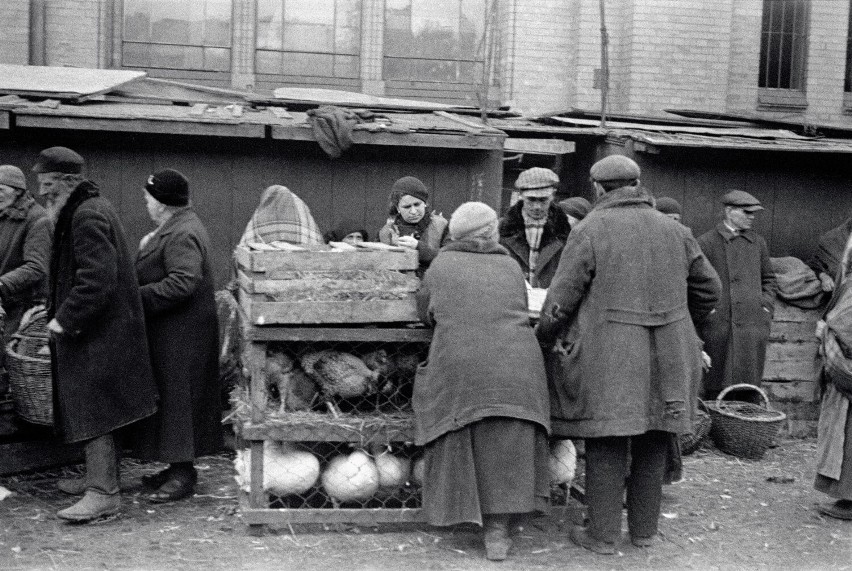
(176,282)
(735,336)
(622,354)
(102,371)
(513,237)
(25,237)
(484,360)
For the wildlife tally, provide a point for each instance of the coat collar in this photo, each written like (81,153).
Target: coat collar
(626,196)
(557,225)
(19,209)
(729,236)
(167,228)
(476,246)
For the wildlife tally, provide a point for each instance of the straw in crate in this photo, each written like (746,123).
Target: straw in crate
(744,429)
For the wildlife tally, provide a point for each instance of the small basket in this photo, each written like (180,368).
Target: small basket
(30,375)
(701,424)
(744,429)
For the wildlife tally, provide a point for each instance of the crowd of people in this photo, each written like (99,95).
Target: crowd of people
(640,319)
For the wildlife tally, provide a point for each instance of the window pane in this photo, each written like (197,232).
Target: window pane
(773,64)
(176,57)
(137,20)
(217,59)
(135,55)
(349,13)
(348,40)
(783,44)
(347,66)
(269,24)
(472,27)
(309,37)
(786,59)
(176,23)
(268,62)
(320,65)
(309,12)
(217,28)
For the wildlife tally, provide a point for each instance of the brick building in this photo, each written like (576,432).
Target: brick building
(780,58)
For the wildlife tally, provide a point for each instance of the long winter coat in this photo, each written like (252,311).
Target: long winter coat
(484,360)
(622,354)
(735,336)
(431,233)
(101,368)
(176,282)
(513,237)
(25,236)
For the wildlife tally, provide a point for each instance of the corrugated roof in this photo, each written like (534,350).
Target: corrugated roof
(62,82)
(785,144)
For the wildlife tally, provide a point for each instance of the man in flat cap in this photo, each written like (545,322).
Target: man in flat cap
(534,229)
(99,351)
(25,234)
(622,356)
(735,336)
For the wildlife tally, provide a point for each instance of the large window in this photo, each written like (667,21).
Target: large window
(784,35)
(177,34)
(434,40)
(309,37)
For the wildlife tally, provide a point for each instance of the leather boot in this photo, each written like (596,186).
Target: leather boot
(496,537)
(72,486)
(93,505)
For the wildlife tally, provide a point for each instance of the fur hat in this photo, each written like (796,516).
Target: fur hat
(59,159)
(615,167)
(12,176)
(470,218)
(169,187)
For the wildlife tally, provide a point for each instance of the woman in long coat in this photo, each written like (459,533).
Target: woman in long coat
(480,404)
(176,283)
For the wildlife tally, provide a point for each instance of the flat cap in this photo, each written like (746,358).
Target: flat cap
(576,206)
(59,159)
(741,199)
(11,175)
(615,167)
(668,205)
(538,179)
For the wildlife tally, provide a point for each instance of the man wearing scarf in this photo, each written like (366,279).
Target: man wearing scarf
(102,379)
(534,230)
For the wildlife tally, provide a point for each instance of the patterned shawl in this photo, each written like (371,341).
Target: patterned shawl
(282,216)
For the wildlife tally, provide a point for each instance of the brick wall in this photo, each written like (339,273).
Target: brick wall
(15,31)
(826,58)
(744,55)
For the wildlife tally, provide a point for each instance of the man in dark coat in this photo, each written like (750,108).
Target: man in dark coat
(101,369)
(176,283)
(735,336)
(25,234)
(826,261)
(622,356)
(534,229)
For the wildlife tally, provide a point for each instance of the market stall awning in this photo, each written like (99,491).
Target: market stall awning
(539,146)
(62,82)
(645,141)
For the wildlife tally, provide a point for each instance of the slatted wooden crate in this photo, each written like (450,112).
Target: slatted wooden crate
(323,286)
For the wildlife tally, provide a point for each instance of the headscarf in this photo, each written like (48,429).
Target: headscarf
(343,229)
(282,216)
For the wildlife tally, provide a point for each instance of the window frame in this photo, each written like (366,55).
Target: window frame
(792,98)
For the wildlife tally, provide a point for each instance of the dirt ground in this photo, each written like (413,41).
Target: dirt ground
(726,514)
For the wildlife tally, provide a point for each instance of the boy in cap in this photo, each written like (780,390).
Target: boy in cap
(25,234)
(621,351)
(575,208)
(534,230)
(735,336)
(102,378)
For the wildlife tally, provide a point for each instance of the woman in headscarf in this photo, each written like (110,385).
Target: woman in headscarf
(411,222)
(347,231)
(176,282)
(282,216)
(480,404)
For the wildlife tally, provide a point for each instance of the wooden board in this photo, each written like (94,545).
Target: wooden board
(62,82)
(18,457)
(272,262)
(789,391)
(365,516)
(328,282)
(304,312)
(791,361)
(386,334)
(325,433)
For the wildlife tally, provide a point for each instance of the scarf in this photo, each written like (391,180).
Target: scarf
(282,216)
(534,229)
(19,208)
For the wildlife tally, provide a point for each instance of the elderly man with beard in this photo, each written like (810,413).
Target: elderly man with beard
(102,375)
(25,231)
(534,230)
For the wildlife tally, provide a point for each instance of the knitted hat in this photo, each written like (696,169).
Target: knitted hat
(615,167)
(59,159)
(576,206)
(344,228)
(668,205)
(537,181)
(411,186)
(12,176)
(471,217)
(741,199)
(169,187)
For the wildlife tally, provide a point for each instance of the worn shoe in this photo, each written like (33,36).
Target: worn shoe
(841,509)
(155,480)
(72,486)
(497,542)
(93,506)
(581,537)
(176,487)
(642,541)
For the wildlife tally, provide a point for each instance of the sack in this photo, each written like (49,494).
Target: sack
(837,367)
(839,317)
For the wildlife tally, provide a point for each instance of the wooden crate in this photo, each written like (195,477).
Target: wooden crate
(272,284)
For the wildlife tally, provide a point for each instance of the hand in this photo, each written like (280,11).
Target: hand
(407,242)
(54,327)
(706,362)
(826,281)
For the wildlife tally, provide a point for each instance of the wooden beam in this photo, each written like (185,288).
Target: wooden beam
(412,139)
(364,516)
(366,334)
(245,130)
(36,454)
(4,120)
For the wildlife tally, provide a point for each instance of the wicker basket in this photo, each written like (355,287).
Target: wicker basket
(691,442)
(744,429)
(30,377)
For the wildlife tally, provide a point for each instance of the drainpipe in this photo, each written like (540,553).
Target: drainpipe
(604,66)
(38,46)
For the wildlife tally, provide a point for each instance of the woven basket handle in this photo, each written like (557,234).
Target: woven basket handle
(755,388)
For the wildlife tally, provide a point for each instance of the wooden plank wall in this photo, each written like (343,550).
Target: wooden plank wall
(227,177)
